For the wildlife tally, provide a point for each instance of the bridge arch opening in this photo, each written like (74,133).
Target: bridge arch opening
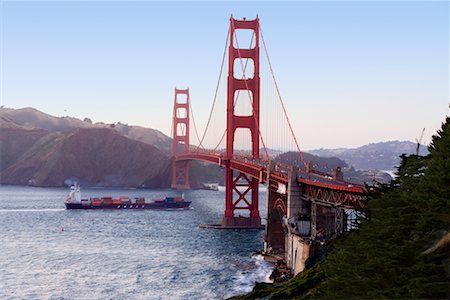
(182,98)
(244,39)
(276,238)
(243,142)
(181,130)
(243,100)
(181,112)
(278,234)
(280,206)
(244,66)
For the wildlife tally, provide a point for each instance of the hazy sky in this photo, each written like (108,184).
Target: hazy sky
(350,72)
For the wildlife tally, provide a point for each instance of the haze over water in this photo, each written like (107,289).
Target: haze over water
(48,252)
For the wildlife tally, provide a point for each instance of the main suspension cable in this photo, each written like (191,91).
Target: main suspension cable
(216,92)
(221,139)
(193,122)
(238,92)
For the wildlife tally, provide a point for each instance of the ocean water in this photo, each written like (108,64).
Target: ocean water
(48,252)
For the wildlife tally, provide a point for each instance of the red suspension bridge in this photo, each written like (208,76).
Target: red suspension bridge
(302,203)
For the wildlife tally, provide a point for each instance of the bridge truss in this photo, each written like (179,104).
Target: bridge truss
(304,196)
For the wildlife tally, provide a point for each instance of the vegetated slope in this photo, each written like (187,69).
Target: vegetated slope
(91,156)
(32,151)
(380,156)
(201,172)
(34,119)
(15,142)
(145,135)
(388,257)
(402,249)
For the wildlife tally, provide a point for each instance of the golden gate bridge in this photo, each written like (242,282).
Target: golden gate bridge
(304,206)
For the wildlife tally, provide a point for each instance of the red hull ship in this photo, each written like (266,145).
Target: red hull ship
(74,201)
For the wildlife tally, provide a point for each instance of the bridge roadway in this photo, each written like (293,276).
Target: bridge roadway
(316,185)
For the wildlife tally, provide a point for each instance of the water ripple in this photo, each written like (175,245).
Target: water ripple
(52,253)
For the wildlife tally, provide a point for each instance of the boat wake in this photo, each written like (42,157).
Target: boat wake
(31,209)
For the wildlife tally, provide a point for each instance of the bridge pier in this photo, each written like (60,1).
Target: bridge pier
(313,215)
(241,222)
(290,222)
(275,231)
(180,175)
(237,198)
(301,218)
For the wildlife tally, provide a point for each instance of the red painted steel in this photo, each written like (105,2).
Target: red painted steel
(180,143)
(338,193)
(252,87)
(244,173)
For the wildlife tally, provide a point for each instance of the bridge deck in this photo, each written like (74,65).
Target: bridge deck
(259,169)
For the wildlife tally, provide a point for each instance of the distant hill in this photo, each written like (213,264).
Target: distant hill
(379,156)
(44,150)
(30,118)
(327,164)
(322,164)
(90,156)
(17,143)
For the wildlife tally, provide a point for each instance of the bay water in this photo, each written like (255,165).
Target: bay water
(48,252)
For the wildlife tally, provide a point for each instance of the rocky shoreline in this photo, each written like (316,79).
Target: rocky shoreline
(281,273)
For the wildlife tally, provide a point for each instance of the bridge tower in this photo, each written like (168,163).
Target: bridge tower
(241,193)
(180,143)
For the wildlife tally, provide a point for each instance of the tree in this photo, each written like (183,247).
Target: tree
(401,249)
(387,256)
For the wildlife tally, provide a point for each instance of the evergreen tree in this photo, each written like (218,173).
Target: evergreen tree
(401,250)
(385,257)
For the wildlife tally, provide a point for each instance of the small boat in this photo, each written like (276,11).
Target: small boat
(74,201)
(211,186)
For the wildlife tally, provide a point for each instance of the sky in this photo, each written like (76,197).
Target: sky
(349,72)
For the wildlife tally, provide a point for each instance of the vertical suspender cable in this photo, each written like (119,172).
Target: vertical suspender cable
(281,100)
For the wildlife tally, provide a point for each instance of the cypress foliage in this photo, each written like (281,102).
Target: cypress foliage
(400,251)
(385,258)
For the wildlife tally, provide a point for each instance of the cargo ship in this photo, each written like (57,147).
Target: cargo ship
(74,201)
